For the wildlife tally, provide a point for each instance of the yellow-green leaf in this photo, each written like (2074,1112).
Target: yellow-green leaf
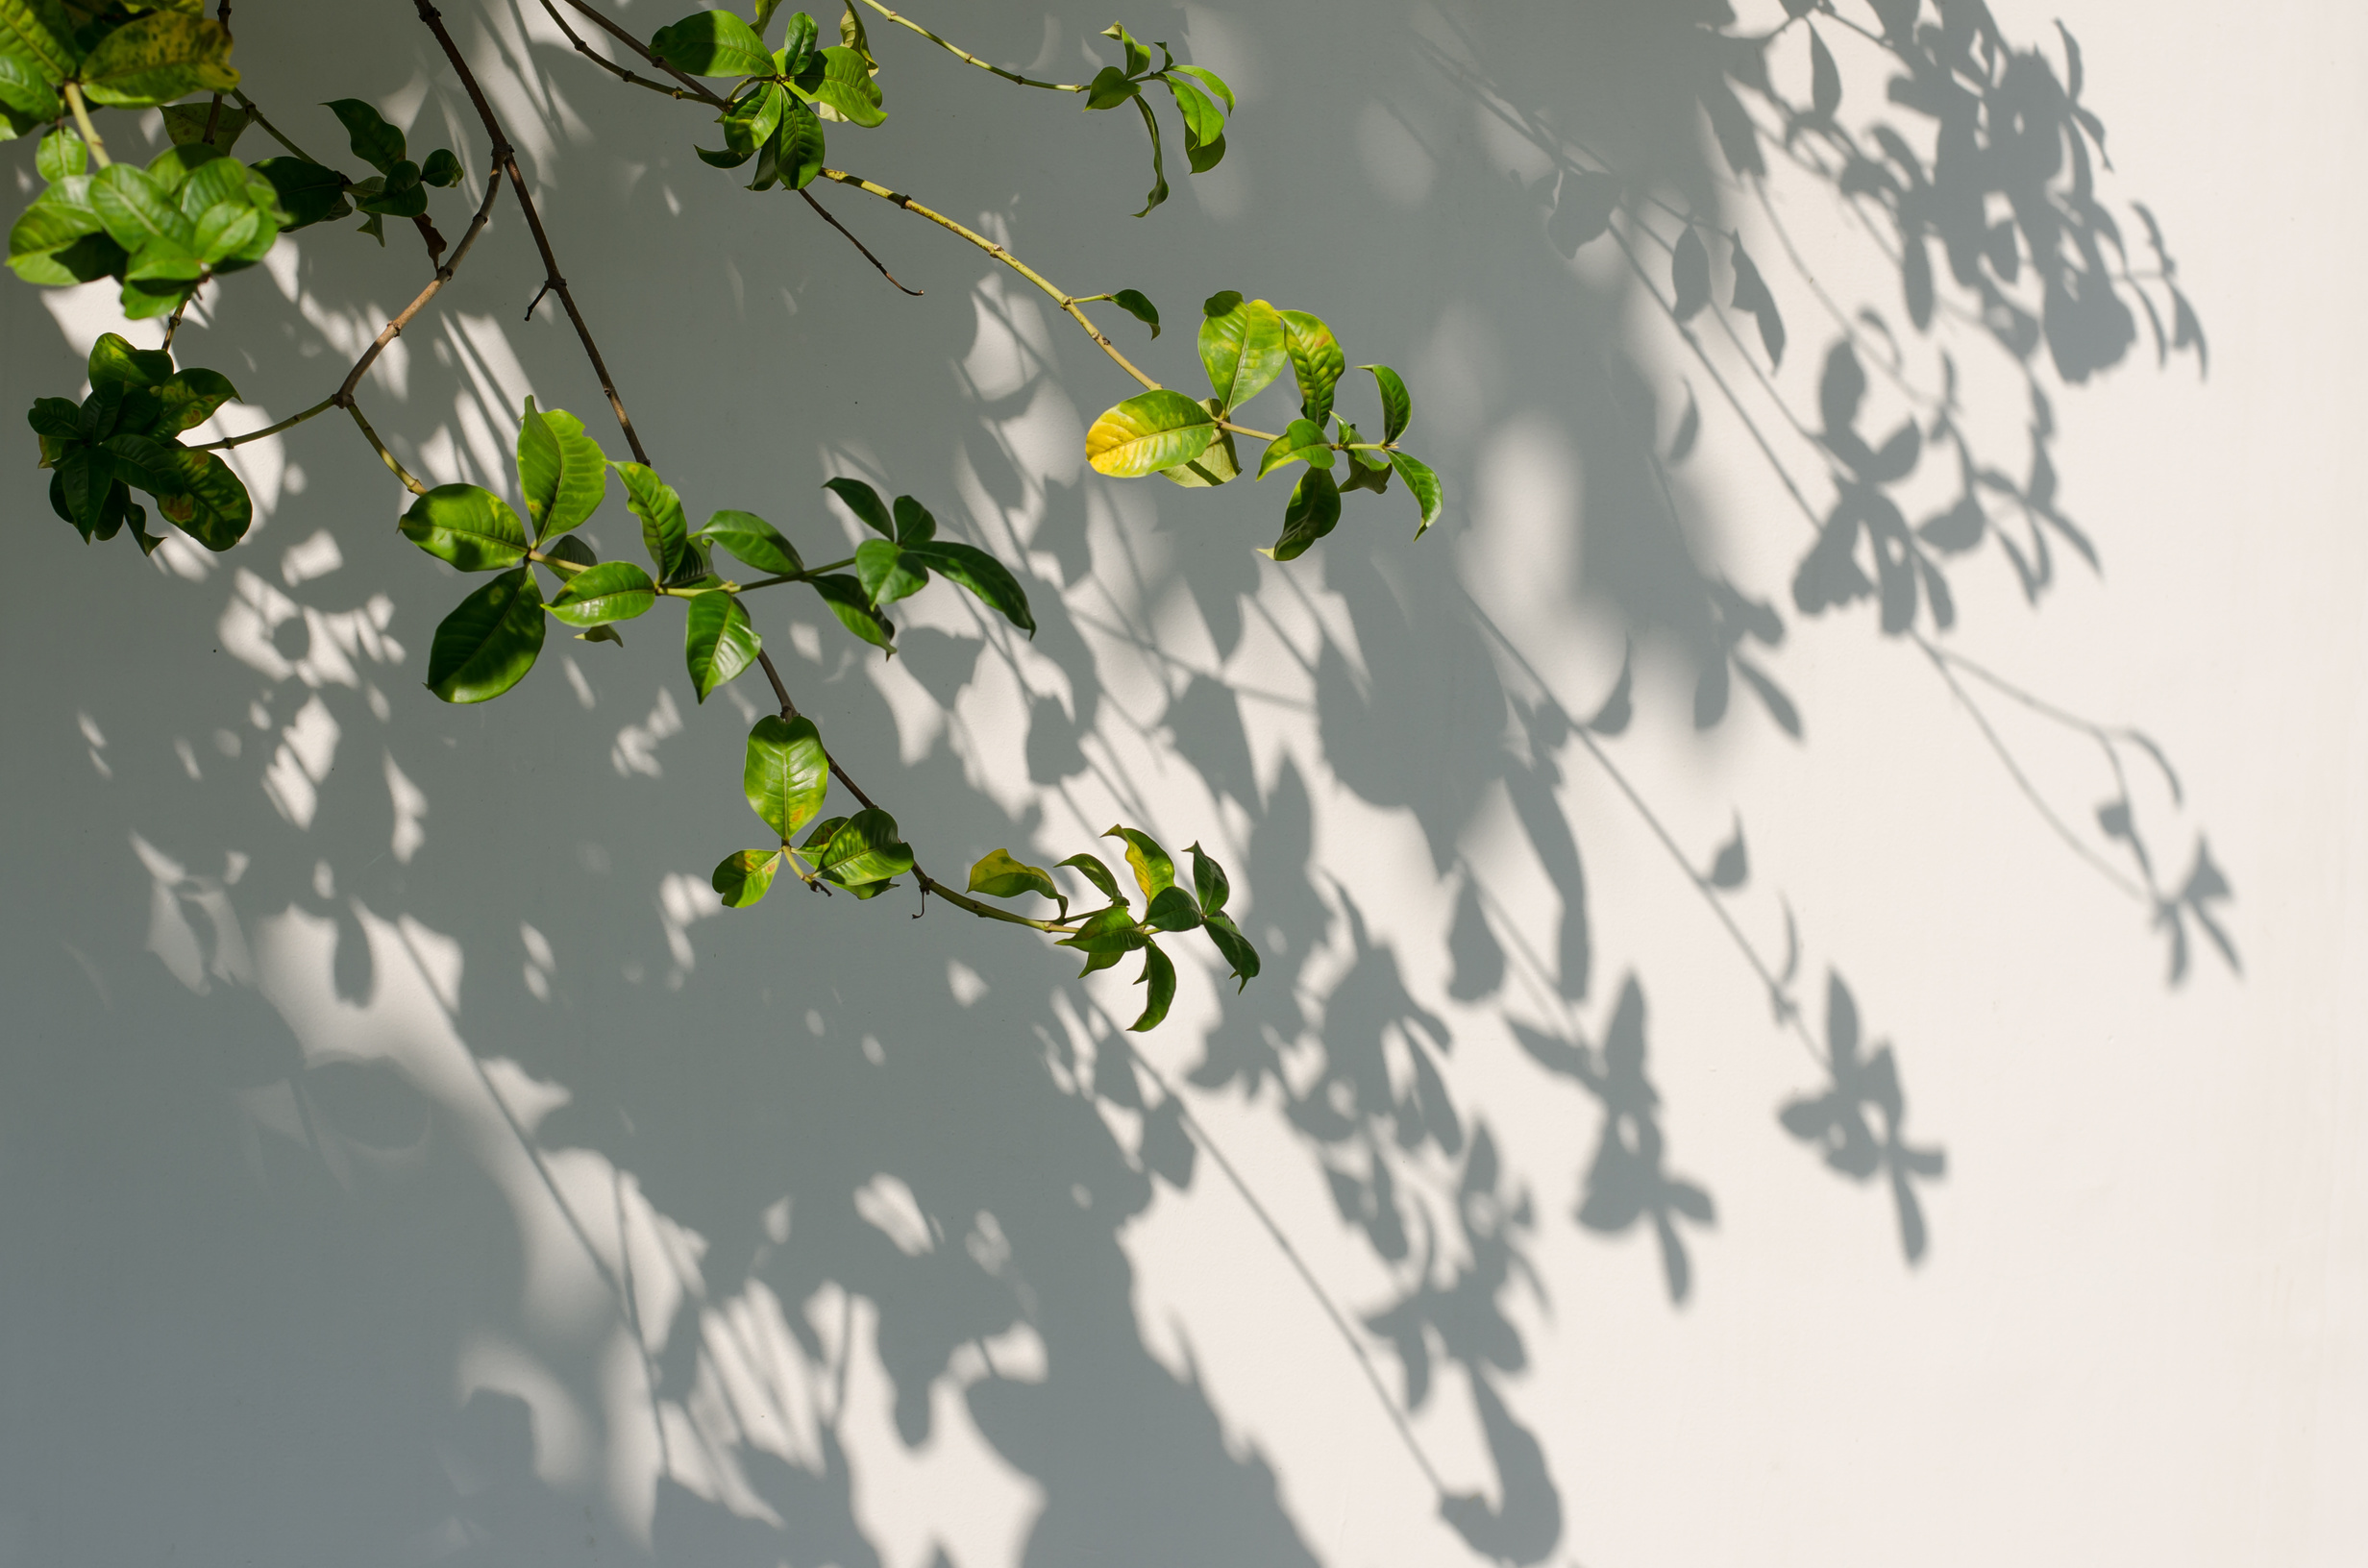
(1147,433)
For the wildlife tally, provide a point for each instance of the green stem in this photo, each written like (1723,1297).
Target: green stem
(985,911)
(806,575)
(393,465)
(291,423)
(81,122)
(272,130)
(965,53)
(1244,429)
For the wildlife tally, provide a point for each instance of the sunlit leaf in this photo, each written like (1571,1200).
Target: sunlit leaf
(665,532)
(753,540)
(786,773)
(609,591)
(1092,869)
(712,43)
(158,57)
(887,572)
(1152,869)
(1300,442)
(998,875)
(1172,909)
(473,528)
(1148,431)
(1316,362)
(842,86)
(1424,487)
(717,642)
(1209,881)
(562,473)
(1242,348)
(852,607)
(743,877)
(1397,405)
(864,849)
(490,640)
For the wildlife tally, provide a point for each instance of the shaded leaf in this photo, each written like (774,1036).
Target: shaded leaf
(1091,867)
(754,541)
(611,591)
(982,574)
(473,528)
(717,642)
(852,607)
(1138,305)
(1159,978)
(712,43)
(864,502)
(374,141)
(1234,947)
(490,640)
(785,773)
(1398,406)
(743,877)
(1314,510)
(1209,882)
(1425,485)
(155,58)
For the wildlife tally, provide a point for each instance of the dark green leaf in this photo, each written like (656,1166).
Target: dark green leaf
(866,848)
(1690,274)
(1152,869)
(663,530)
(712,43)
(743,877)
(886,572)
(798,146)
(982,574)
(852,607)
(155,58)
(195,489)
(1138,305)
(562,473)
(188,122)
(914,524)
(374,141)
(59,239)
(1300,442)
(571,549)
(1159,171)
(1314,508)
(797,51)
(1111,931)
(1091,867)
(1172,909)
(114,362)
(189,399)
(1425,486)
(611,591)
(442,169)
(1316,362)
(1397,408)
(753,540)
(56,417)
(399,194)
(41,32)
(1209,881)
(1148,431)
(473,528)
(1242,349)
(786,773)
(998,875)
(60,152)
(1234,947)
(864,502)
(1159,978)
(717,642)
(308,193)
(80,487)
(490,640)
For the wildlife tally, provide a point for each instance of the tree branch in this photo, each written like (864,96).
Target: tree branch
(698,90)
(610,66)
(344,395)
(857,243)
(965,53)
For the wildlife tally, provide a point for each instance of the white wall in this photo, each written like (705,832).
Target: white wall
(401,1162)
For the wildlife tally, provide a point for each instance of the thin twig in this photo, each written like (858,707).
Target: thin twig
(393,330)
(965,53)
(606,63)
(291,423)
(702,93)
(393,466)
(270,130)
(857,243)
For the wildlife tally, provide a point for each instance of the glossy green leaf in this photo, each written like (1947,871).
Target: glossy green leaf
(1172,909)
(864,502)
(1234,947)
(139,216)
(473,528)
(914,524)
(60,152)
(59,239)
(196,490)
(1159,171)
(712,43)
(1243,349)
(718,640)
(490,640)
(1148,431)
(562,473)
(189,399)
(1158,978)
(799,146)
(998,875)
(786,773)
(41,32)
(1314,508)
(1138,57)
(1216,465)
(1425,486)
(864,849)
(227,235)
(1138,305)
(1152,869)
(155,58)
(442,169)
(188,122)
(823,831)
(797,51)
(1367,470)
(845,87)
(852,607)
(571,548)
(1397,408)
(1091,867)
(665,532)
(114,362)
(887,572)
(172,169)
(1203,125)
(308,193)
(753,540)
(982,574)
(609,591)
(1301,442)
(1209,80)
(1316,362)
(80,487)
(1109,88)
(851,33)
(1112,931)
(1209,881)
(374,141)
(743,877)
(56,417)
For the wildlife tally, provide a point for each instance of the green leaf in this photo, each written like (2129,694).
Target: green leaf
(1159,978)
(228,234)
(998,875)
(1172,909)
(1152,869)
(798,146)
(442,169)
(1424,484)
(797,51)
(490,640)
(1243,349)
(189,399)
(1091,867)
(58,418)
(851,33)
(114,362)
(1316,362)
(864,502)
(475,529)
(1314,508)
(1209,881)
(374,141)
(1234,947)
(571,548)
(1138,305)
(1208,79)
(914,524)
(887,572)
(399,194)
(80,487)
(41,32)
(1109,88)
(188,122)
(743,877)
(1300,442)
(1108,931)
(1203,126)
(1159,171)
(196,490)
(845,87)
(308,193)
(823,831)
(1218,465)
(601,634)
(786,773)
(852,607)
(562,473)
(1148,431)
(60,152)
(663,531)
(753,540)
(155,58)
(172,169)
(981,574)
(1138,57)
(1397,408)
(712,43)
(609,591)
(139,216)
(866,848)
(1367,470)
(59,239)
(717,642)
